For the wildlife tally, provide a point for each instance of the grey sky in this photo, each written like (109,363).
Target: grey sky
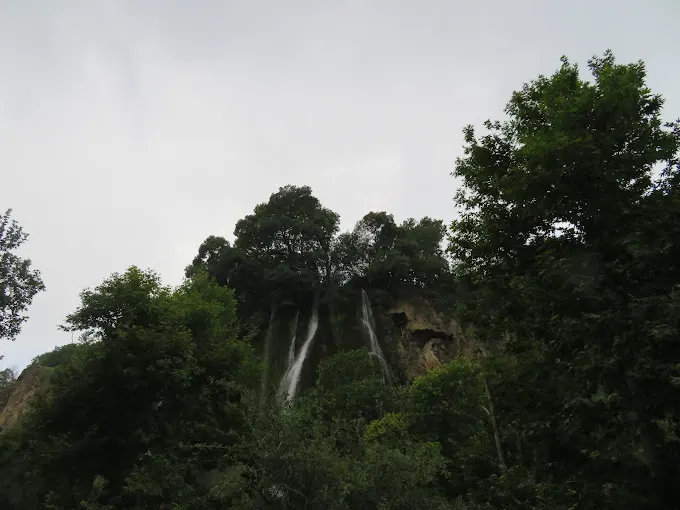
(131,130)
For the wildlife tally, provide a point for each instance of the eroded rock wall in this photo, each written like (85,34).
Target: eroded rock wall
(425,337)
(18,395)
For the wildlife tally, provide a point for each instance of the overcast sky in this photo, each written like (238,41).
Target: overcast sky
(132,130)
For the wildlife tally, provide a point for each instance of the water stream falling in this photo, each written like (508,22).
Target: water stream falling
(293,347)
(368,321)
(291,379)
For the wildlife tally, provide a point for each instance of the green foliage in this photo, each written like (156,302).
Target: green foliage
(289,248)
(567,245)
(384,255)
(291,232)
(350,384)
(447,405)
(18,282)
(7,377)
(281,252)
(61,355)
(371,241)
(163,371)
(392,428)
(325,453)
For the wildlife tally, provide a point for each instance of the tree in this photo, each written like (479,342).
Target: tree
(59,356)
(7,377)
(122,424)
(282,251)
(381,254)
(350,387)
(290,235)
(569,244)
(418,259)
(446,406)
(18,282)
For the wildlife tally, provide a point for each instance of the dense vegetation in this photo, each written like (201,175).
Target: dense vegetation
(564,267)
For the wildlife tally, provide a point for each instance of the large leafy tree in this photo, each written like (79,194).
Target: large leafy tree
(289,246)
(381,254)
(233,268)
(568,240)
(418,259)
(7,377)
(19,283)
(447,405)
(122,425)
(290,236)
(369,242)
(281,251)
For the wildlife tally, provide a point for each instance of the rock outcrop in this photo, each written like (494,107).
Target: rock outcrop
(427,337)
(16,398)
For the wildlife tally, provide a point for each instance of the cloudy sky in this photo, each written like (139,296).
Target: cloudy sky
(132,130)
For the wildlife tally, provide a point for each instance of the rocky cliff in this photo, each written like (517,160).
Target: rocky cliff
(16,398)
(415,334)
(425,337)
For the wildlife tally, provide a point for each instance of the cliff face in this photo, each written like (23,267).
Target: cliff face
(424,337)
(16,398)
(415,334)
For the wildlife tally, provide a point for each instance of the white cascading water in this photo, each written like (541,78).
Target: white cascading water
(291,379)
(293,347)
(374,347)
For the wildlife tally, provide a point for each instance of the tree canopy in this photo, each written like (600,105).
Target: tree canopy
(568,238)
(19,283)
(289,247)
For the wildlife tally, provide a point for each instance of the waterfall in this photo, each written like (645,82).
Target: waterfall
(291,379)
(368,321)
(293,347)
